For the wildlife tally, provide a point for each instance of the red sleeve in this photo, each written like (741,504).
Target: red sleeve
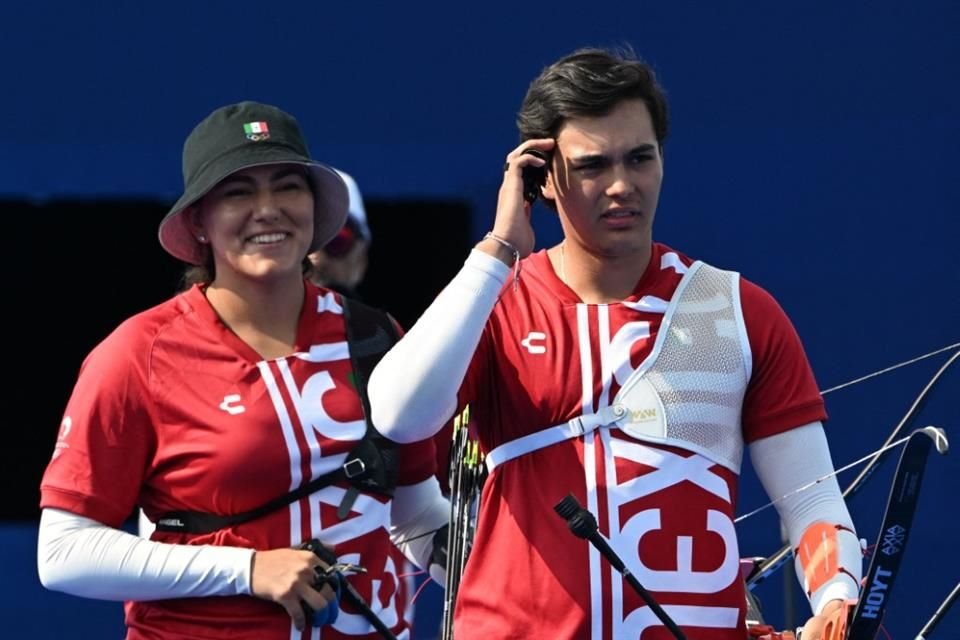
(782,393)
(418,461)
(106,437)
(472,392)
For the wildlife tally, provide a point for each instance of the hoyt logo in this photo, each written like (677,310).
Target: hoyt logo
(893,540)
(877,595)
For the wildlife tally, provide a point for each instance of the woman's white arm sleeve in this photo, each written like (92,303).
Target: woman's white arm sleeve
(86,558)
(417,512)
(413,389)
(789,460)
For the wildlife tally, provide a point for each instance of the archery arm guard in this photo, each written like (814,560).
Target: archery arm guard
(828,562)
(800,457)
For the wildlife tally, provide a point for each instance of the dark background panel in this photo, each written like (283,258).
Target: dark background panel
(101,263)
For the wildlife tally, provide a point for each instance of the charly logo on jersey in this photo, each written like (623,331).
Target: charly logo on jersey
(893,540)
(232,405)
(529,343)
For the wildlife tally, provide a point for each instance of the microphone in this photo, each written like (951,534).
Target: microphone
(584,525)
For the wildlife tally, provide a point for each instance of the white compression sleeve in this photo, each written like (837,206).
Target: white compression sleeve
(789,460)
(416,513)
(86,558)
(413,390)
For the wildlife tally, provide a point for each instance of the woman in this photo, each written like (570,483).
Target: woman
(231,395)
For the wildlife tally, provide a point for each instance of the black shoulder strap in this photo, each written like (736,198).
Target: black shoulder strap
(372,463)
(370,334)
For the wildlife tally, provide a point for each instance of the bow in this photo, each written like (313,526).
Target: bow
(773,562)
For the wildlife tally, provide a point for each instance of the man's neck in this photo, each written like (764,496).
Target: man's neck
(599,279)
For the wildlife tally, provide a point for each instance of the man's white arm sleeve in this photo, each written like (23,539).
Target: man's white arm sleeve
(787,461)
(417,512)
(86,558)
(413,389)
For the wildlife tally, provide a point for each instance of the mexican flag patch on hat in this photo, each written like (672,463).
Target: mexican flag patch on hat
(257,130)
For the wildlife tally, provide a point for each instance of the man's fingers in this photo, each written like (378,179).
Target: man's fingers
(813,630)
(518,156)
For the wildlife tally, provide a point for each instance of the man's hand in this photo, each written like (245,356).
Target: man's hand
(512,222)
(830,623)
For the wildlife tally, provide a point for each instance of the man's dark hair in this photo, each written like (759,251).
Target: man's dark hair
(590,82)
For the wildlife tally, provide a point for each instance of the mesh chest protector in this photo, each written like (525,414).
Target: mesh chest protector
(689,391)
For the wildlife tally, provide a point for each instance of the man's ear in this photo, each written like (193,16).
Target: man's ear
(548,189)
(556,179)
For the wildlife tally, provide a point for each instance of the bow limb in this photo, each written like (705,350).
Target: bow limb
(776,560)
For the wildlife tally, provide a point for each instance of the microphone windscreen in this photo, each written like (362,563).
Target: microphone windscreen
(567,507)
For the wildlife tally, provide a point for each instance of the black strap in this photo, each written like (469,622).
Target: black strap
(371,465)
(374,460)
(370,334)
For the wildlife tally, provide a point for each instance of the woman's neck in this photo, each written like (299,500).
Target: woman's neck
(265,315)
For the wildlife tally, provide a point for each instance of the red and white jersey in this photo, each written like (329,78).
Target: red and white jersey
(174,412)
(545,358)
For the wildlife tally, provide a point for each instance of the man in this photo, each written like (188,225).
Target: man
(617,369)
(342,263)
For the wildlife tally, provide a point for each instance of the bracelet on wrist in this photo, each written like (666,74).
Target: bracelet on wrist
(512,249)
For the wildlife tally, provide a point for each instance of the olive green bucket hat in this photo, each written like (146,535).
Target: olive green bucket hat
(236,137)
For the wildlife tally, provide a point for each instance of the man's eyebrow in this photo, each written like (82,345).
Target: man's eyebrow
(587,157)
(594,157)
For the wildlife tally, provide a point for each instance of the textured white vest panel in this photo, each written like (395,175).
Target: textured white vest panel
(689,391)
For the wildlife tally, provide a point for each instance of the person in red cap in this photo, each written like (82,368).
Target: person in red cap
(341,264)
(234,415)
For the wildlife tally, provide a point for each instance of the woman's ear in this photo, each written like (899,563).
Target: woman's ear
(194,221)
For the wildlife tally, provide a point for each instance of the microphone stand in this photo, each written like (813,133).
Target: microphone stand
(583,525)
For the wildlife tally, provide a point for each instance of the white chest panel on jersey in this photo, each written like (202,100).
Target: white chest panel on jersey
(689,391)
